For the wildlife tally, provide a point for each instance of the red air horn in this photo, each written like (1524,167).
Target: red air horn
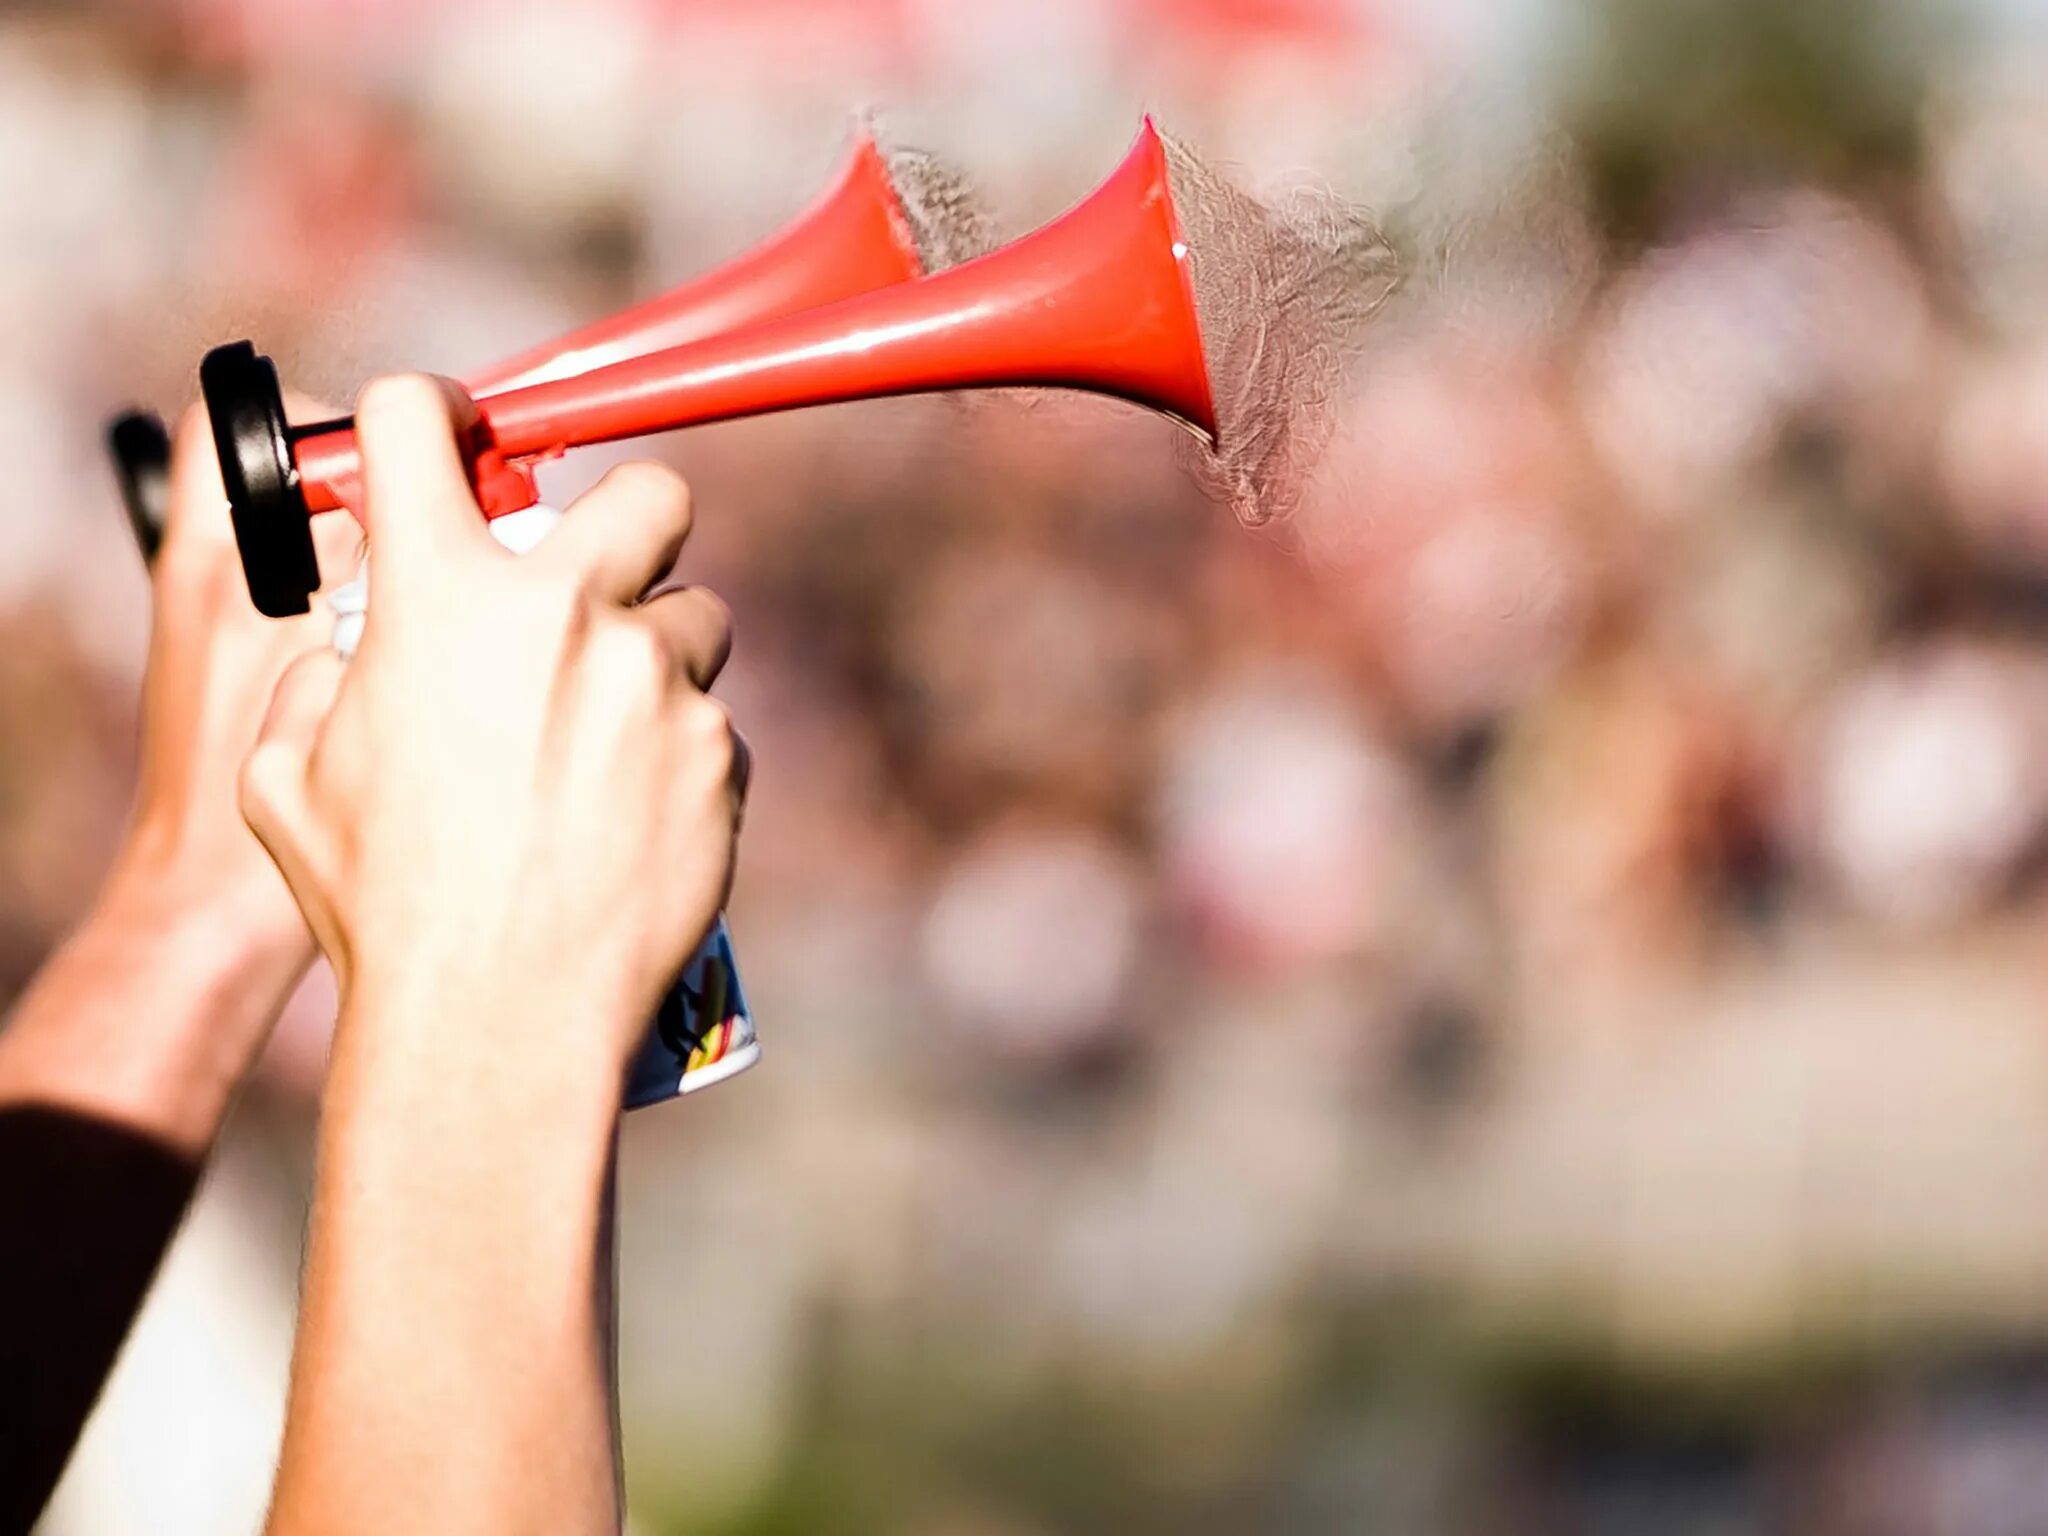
(1098,300)
(855,238)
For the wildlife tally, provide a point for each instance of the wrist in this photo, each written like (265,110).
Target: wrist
(150,1014)
(215,966)
(505,1042)
(231,928)
(474,960)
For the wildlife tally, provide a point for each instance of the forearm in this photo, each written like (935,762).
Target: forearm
(453,1369)
(149,1016)
(115,1072)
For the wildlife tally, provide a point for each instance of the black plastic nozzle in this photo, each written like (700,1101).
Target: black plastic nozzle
(273,530)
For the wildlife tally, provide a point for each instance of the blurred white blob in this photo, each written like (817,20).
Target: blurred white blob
(1279,812)
(1927,784)
(1795,306)
(1032,940)
(75,157)
(1051,62)
(541,159)
(46,465)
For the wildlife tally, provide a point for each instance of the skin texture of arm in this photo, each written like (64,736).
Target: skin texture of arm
(119,1062)
(509,820)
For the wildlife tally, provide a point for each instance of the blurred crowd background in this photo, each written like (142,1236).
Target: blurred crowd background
(1511,1000)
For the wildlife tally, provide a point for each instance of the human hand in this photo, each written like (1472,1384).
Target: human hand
(151,1013)
(188,863)
(517,802)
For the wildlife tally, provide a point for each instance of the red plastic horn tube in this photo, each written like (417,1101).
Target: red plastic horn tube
(1097,300)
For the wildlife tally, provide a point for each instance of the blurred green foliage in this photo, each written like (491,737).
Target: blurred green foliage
(1676,102)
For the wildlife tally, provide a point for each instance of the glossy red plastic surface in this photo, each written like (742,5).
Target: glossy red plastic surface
(852,240)
(1099,300)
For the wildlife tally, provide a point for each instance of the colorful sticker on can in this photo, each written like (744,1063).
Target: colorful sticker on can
(703,1032)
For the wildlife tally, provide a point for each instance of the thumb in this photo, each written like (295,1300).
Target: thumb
(275,774)
(275,784)
(417,502)
(305,692)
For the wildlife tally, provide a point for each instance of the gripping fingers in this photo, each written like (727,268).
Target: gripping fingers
(417,497)
(716,750)
(621,536)
(695,629)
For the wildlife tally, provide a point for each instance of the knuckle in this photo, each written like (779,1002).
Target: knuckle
(696,625)
(537,605)
(707,730)
(264,786)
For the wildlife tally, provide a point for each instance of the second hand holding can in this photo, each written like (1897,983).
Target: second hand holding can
(703,1032)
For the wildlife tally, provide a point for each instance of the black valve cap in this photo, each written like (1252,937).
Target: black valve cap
(273,530)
